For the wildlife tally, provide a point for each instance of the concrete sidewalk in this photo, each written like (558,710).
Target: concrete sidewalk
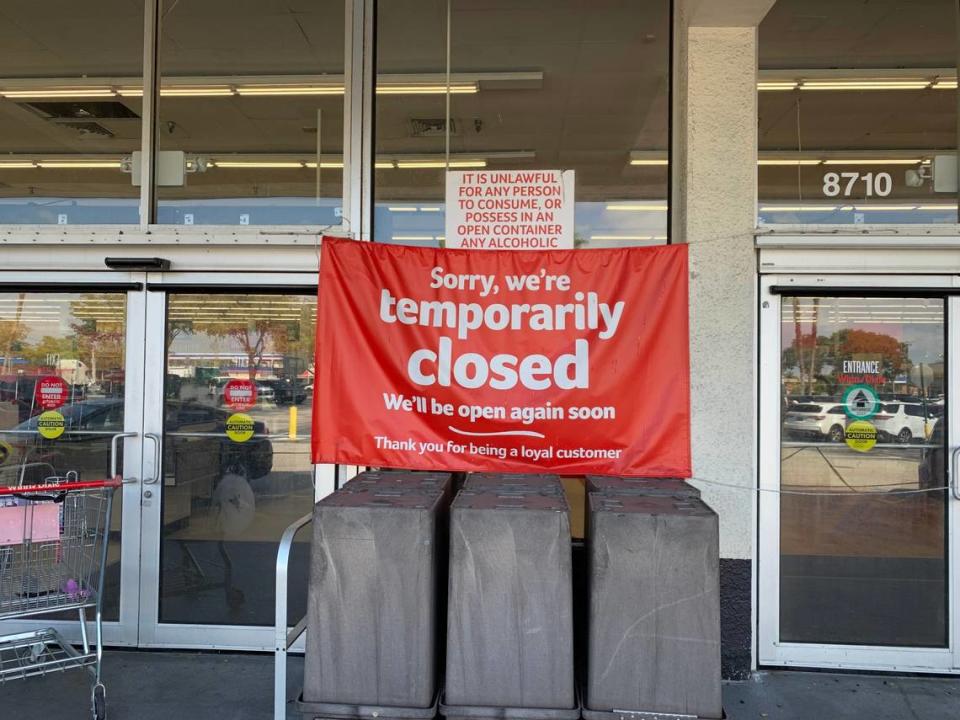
(181,686)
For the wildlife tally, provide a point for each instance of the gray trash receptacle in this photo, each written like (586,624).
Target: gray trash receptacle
(654,609)
(372,621)
(510,614)
(614,485)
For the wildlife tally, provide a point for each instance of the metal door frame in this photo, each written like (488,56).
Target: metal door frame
(125,630)
(196,636)
(770,651)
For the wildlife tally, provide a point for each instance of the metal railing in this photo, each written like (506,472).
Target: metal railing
(285,636)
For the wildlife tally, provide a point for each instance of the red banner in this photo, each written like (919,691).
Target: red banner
(573,361)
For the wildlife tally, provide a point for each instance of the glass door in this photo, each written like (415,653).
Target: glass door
(229,391)
(81,334)
(856,564)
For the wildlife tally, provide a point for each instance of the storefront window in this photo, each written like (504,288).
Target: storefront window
(535,86)
(70,105)
(858,112)
(862,472)
(251,108)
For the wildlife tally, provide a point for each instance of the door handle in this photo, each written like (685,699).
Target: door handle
(114,445)
(156,458)
(953,479)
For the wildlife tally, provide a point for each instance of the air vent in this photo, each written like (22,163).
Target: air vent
(432,127)
(86,127)
(82,110)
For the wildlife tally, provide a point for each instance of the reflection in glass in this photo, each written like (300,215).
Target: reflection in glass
(862,540)
(252,96)
(590,95)
(857,111)
(65,129)
(226,501)
(79,338)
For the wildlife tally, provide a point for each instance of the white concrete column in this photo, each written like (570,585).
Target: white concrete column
(715,160)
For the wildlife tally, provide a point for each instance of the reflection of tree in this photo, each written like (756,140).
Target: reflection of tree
(12,333)
(48,347)
(805,346)
(98,340)
(811,353)
(254,338)
(853,344)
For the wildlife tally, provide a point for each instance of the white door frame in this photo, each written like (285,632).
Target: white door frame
(772,652)
(125,630)
(153,633)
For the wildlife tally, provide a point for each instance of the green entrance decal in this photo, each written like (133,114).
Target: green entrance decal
(860,402)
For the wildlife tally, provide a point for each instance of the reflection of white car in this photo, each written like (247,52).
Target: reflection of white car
(816,420)
(902,422)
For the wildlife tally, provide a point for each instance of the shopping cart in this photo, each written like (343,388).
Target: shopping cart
(53,553)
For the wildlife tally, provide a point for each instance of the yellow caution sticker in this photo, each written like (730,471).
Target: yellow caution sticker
(860,435)
(50,424)
(239,427)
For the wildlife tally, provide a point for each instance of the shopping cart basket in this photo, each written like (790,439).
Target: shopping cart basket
(53,553)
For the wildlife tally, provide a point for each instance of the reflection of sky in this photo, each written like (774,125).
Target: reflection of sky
(592,218)
(643,223)
(840,214)
(918,322)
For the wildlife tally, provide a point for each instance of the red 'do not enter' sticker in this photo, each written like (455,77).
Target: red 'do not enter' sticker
(51,392)
(240,394)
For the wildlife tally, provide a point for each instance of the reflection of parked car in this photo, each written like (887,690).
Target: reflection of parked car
(284,391)
(196,447)
(902,422)
(816,420)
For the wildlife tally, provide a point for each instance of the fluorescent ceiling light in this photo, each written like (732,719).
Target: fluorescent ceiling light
(416,237)
(857,79)
(266,86)
(648,157)
(458,89)
(861,208)
(628,237)
(199,91)
(430,209)
(786,161)
(277,90)
(797,208)
(872,161)
(255,164)
(402,208)
(430,164)
(63,164)
(864,85)
(16,164)
(786,85)
(635,207)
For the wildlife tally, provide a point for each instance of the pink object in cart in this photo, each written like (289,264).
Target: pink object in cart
(29,523)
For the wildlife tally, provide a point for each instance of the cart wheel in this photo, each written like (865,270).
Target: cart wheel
(99,702)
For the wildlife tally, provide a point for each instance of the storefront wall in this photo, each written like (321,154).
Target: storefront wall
(351,137)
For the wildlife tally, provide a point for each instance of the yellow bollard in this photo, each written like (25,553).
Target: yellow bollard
(293,422)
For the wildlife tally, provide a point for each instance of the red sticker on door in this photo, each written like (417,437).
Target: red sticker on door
(51,392)
(240,394)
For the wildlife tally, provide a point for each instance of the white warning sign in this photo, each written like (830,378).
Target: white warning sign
(510,209)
